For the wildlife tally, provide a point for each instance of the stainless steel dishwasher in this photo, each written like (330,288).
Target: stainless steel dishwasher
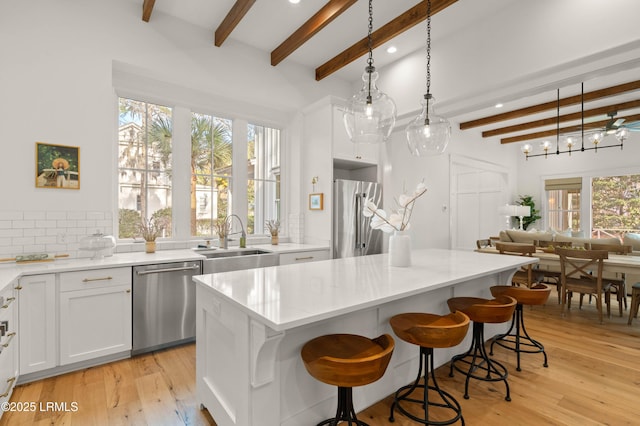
(164,305)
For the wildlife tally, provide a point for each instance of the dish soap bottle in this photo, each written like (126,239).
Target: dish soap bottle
(243,240)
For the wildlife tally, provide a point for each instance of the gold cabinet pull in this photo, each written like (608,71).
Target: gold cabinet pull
(9,386)
(9,300)
(304,258)
(10,337)
(18,287)
(88,280)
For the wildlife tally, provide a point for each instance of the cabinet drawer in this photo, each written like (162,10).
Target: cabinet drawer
(8,302)
(303,256)
(94,278)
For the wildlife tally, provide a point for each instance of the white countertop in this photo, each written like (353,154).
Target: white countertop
(288,296)
(12,271)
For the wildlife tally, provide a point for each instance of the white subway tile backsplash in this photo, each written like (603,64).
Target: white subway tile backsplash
(11,215)
(51,231)
(46,224)
(56,215)
(11,232)
(35,215)
(22,224)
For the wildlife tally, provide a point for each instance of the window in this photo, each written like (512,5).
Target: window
(263,186)
(615,205)
(211,172)
(563,197)
(144,165)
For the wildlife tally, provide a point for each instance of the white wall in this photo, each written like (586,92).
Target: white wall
(58,59)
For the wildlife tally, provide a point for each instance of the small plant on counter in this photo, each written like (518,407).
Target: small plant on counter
(152,228)
(273,226)
(222,227)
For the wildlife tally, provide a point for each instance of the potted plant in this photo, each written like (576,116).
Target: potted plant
(274,227)
(527,200)
(222,227)
(150,229)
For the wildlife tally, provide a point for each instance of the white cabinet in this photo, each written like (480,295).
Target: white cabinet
(303,256)
(37,323)
(95,313)
(344,149)
(8,341)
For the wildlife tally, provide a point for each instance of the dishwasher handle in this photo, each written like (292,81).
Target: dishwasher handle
(158,271)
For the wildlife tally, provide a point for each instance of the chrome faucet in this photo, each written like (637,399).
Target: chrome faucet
(243,235)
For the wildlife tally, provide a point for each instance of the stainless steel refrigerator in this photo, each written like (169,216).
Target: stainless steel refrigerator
(352,235)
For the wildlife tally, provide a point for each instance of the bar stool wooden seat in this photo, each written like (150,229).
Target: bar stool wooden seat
(519,340)
(428,331)
(478,364)
(345,361)
(635,302)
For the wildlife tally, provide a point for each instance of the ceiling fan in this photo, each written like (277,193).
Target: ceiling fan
(614,124)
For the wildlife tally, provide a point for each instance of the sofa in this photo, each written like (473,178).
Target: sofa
(517,236)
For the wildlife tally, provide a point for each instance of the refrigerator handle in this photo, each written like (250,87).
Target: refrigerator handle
(358,220)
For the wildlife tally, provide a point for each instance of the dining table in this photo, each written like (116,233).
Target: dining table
(616,263)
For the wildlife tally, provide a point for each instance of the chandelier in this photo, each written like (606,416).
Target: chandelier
(575,141)
(428,134)
(371,114)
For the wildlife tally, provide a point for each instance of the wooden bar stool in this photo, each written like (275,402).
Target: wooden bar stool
(428,331)
(635,302)
(481,311)
(519,340)
(347,360)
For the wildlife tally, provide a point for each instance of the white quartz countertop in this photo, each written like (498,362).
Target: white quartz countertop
(288,296)
(12,271)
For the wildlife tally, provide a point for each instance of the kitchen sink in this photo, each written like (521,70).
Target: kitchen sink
(235,260)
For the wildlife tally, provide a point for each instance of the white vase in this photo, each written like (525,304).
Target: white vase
(400,249)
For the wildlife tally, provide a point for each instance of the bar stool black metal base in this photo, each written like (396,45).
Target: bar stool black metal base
(492,371)
(345,411)
(448,401)
(520,341)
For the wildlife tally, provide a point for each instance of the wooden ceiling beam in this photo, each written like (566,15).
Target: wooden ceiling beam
(609,109)
(570,129)
(534,109)
(393,28)
(147,8)
(233,18)
(321,19)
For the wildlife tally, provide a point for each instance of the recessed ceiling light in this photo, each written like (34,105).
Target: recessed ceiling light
(294,1)
(392,49)
(499,105)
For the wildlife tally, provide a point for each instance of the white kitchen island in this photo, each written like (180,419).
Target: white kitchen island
(252,324)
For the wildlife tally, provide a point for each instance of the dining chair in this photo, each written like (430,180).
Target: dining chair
(526,276)
(581,272)
(551,275)
(616,281)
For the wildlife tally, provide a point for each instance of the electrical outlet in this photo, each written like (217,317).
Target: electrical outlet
(62,238)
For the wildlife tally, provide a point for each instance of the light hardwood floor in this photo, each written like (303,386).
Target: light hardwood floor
(593,378)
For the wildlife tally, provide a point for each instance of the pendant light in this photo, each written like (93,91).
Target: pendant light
(371,114)
(428,134)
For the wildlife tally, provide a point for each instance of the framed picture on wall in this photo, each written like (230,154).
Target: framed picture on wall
(316,201)
(57,166)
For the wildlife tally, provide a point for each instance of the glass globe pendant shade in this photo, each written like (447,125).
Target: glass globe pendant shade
(371,114)
(428,134)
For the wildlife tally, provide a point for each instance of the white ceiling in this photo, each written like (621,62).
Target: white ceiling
(269,22)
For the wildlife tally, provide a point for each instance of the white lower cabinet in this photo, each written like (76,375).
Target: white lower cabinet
(95,314)
(8,341)
(37,323)
(303,256)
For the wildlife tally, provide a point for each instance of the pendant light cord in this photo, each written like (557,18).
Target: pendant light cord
(370,68)
(428,49)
